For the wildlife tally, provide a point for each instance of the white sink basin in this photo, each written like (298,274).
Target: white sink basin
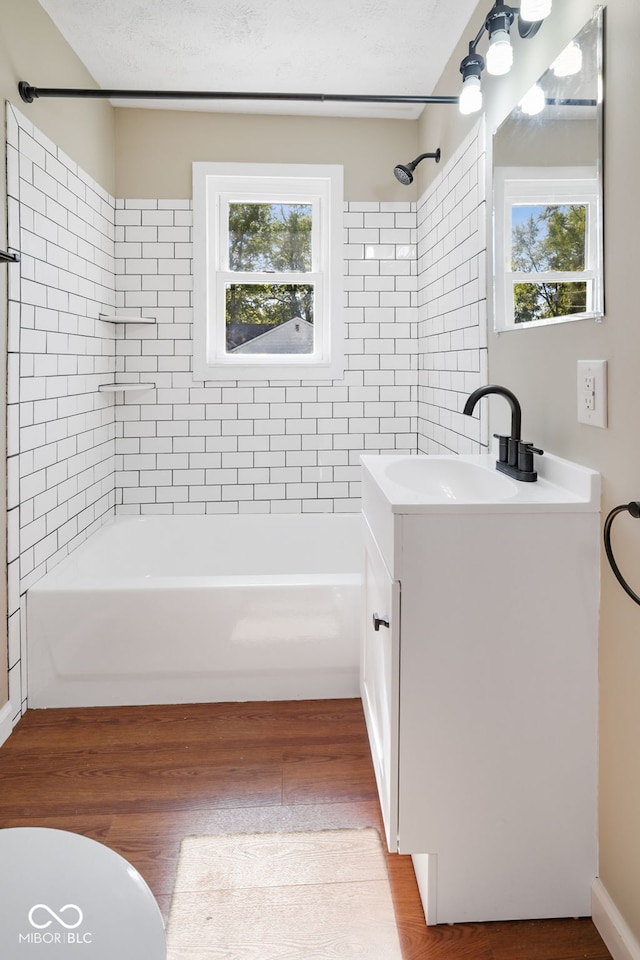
(450,478)
(435,483)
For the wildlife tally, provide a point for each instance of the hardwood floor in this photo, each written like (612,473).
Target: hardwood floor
(139,779)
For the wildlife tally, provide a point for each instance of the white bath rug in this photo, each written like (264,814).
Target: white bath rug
(320,895)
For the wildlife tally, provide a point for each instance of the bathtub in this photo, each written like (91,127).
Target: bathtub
(165,609)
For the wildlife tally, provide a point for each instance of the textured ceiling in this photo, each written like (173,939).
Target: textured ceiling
(309,46)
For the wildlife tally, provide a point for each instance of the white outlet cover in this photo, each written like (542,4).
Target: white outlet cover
(592,400)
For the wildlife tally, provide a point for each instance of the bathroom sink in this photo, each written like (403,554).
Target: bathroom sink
(470,483)
(450,478)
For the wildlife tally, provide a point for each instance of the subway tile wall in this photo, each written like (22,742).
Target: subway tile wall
(414,345)
(452,327)
(60,430)
(188,446)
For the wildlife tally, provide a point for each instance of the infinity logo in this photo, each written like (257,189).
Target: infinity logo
(47,923)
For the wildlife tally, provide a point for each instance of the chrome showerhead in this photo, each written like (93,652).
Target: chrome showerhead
(404,171)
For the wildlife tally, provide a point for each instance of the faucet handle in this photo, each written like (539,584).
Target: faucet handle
(503,447)
(524,445)
(525,456)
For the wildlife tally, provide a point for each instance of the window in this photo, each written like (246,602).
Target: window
(267,271)
(546,246)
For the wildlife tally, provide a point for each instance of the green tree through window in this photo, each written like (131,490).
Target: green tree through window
(267,238)
(548,239)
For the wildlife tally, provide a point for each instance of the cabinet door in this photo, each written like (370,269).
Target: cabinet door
(380,680)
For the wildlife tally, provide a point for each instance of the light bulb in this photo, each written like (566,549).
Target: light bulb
(569,62)
(470,100)
(534,101)
(500,53)
(533,10)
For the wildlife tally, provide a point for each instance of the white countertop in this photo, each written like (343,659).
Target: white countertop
(561,485)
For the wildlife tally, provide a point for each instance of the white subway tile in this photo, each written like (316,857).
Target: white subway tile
(159,217)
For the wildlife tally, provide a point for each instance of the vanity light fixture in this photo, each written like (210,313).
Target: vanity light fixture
(499,57)
(500,52)
(535,10)
(471,95)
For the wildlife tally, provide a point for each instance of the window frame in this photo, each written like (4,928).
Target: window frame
(215,186)
(539,186)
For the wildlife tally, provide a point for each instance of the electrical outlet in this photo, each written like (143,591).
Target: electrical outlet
(589,391)
(592,392)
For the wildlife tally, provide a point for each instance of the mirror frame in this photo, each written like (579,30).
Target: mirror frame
(500,325)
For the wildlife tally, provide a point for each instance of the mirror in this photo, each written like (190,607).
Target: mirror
(547,194)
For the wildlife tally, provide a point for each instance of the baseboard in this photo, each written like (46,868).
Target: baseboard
(618,938)
(6,715)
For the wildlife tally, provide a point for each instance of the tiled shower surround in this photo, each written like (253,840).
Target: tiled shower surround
(292,446)
(414,347)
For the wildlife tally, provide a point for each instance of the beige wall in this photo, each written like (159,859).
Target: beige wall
(156,148)
(540,366)
(32,49)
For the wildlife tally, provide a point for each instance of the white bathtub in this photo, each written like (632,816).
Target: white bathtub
(199,609)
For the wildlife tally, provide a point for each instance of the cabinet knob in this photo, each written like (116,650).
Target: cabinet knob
(379,622)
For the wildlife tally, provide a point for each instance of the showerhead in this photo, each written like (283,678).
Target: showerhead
(404,174)
(404,171)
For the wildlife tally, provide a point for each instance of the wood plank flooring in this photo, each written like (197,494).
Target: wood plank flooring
(139,779)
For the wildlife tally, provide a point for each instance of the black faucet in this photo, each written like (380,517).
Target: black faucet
(515,457)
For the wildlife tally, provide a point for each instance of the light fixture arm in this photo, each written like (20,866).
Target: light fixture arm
(474,43)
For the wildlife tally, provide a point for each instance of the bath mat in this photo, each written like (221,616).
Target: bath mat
(321,895)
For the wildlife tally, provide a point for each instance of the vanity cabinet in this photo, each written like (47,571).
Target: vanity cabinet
(480,697)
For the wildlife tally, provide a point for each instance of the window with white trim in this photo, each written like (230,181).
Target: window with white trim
(547,251)
(268,267)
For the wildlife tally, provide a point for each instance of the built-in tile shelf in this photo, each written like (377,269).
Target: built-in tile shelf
(125,387)
(125,318)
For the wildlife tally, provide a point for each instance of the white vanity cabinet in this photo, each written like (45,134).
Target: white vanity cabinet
(481,695)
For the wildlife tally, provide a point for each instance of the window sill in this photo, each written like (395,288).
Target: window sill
(269,371)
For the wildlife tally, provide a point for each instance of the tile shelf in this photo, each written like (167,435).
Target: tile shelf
(125,318)
(125,387)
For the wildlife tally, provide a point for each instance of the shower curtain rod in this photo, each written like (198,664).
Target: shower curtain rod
(29,93)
